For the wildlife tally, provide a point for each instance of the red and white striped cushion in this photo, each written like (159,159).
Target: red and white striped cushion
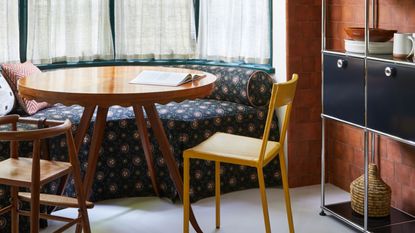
(12,73)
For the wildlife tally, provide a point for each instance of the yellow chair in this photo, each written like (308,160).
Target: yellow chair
(253,152)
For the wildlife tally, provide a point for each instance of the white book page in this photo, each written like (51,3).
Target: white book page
(151,77)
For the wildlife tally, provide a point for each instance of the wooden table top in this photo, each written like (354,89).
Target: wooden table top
(107,86)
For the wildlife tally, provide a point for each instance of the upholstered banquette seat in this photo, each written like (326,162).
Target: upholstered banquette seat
(238,105)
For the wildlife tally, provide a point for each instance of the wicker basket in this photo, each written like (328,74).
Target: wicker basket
(379,194)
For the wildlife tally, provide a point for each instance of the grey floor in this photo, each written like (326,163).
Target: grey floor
(241,213)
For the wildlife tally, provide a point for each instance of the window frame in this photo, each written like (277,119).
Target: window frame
(23,30)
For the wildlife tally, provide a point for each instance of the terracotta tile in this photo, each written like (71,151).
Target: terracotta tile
(396,189)
(335,13)
(393,150)
(407,199)
(387,169)
(303,180)
(355,172)
(382,148)
(314,148)
(412,179)
(403,173)
(359,158)
(408,155)
(308,114)
(354,137)
(344,152)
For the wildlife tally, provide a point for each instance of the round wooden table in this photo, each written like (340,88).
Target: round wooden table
(102,87)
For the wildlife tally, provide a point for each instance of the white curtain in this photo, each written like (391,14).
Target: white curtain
(160,29)
(9,31)
(235,30)
(73,30)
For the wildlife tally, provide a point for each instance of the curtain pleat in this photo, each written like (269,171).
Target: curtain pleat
(9,31)
(72,31)
(235,31)
(157,29)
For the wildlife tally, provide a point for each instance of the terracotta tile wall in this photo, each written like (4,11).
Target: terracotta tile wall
(342,14)
(345,143)
(303,49)
(392,14)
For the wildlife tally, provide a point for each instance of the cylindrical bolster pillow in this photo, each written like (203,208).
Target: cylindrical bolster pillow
(239,85)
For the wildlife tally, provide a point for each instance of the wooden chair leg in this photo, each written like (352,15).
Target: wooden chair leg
(264,199)
(35,189)
(34,210)
(186,195)
(15,208)
(217,193)
(285,186)
(80,193)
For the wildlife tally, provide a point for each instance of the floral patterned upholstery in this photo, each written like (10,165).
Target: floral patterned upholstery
(122,169)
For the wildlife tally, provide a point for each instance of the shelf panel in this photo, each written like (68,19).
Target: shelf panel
(342,52)
(376,57)
(342,121)
(345,210)
(391,59)
(405,141)
(408,227)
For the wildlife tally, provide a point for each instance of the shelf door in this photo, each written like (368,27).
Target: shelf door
(344,88)
(391,99)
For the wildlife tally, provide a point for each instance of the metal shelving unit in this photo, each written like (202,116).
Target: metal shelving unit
(398,221)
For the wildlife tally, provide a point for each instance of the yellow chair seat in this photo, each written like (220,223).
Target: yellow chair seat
(231,148)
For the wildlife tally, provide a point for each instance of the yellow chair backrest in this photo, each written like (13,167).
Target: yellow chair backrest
(282,95)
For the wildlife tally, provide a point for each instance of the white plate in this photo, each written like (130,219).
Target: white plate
(353,46)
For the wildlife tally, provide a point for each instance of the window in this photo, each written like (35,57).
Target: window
(154,29)
(235,30)
(224,32)
(9,31)
(75,30)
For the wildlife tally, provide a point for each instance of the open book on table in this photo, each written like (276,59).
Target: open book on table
(163,78)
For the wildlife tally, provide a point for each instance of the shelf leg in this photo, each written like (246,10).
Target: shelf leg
(323,167)
(372,147)
(366,138)
(322,213)
(366,155)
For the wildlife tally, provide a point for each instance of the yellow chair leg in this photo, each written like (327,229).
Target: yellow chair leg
(286,191)
(217,193)
(264,199)
(186,195)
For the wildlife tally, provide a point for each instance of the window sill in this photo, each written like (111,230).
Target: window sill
(267,68)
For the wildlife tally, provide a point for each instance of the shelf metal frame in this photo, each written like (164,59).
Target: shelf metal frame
(356,55)
(343,219)
(373,132)
(365,56)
